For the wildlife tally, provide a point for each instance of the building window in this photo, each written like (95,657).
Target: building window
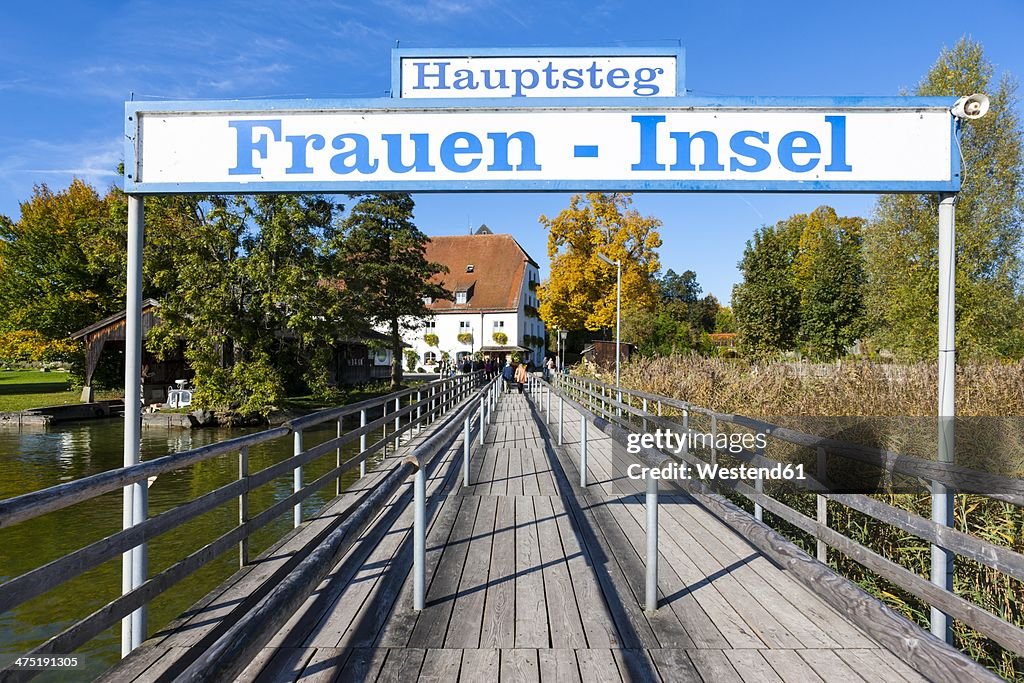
(464,326)
(460,297)
(499,324)
(430,325)
(430,358)
(427,300)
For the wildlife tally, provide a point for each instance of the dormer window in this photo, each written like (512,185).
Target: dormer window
(469,268)
(461,297)
(427,300)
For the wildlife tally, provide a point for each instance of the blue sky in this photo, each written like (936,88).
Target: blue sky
(66,69)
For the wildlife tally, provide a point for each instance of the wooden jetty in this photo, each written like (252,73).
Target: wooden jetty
(540,561)
(533,578)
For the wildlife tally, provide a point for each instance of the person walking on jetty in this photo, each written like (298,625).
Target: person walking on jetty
(508,376)
(521,377)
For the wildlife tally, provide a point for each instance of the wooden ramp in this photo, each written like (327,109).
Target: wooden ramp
(531,578)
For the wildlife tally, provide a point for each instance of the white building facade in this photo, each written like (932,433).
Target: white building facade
(493,282)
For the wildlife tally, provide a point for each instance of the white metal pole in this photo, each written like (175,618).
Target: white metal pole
(942,500)
(651,588)
(583,451)
(337,482)
(362,444)
(419,540)
(483,418)
(133,562)
(297,477)
(618,331)
(465,450)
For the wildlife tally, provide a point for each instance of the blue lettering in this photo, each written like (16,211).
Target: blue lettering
(246,145)
(499,79)
(573,78)
(421,153)
(684,151)
(457,144)
(527,152)
(300,143)
(788,147)
(644,81)
(464,80)
(760,157)
(648,143)
(355,159)
(618,78)
(422,75)
(838,125)
(521,83)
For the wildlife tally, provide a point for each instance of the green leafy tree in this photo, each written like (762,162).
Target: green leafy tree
(55,274)
(580,293)
(901,242)
(767,303)
(829,274)
(381,264)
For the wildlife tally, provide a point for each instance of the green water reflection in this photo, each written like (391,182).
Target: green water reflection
(33,459)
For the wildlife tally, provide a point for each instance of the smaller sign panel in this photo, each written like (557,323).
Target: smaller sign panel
(626,72)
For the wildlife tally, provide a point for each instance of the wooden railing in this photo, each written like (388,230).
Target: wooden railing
(619,412)
(410,410)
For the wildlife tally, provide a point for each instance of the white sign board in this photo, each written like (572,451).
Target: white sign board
(546,148)
(503,73)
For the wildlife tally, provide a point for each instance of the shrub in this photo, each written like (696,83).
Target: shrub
(431,339)
(465,337)
(411,359)
(500,338)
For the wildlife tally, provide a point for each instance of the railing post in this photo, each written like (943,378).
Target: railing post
(362,444)
(583,451)
(758,485)
(398,424)
(547,418)
(465,452)
(243,506)
(659,408)
(337,482)
(686,428)
(384,428)
(645,413)
(651,587)
(419,408)
(483,419)
(822,511)
(714,439)
(297,476)
(561,414)
(419,540)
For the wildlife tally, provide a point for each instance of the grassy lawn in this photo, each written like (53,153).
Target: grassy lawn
(24,389)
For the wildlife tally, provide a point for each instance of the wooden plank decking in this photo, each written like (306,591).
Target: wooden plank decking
(531,578)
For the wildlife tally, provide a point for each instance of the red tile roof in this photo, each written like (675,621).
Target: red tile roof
(499,266)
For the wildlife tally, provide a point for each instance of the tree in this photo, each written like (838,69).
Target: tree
(901,242)
(55,275)
(828,271)
(767,303)
(581,291)
(381,264)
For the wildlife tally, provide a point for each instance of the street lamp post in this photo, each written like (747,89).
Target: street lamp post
(562,334)
(618,317)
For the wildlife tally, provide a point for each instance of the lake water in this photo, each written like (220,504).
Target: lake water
(36,458)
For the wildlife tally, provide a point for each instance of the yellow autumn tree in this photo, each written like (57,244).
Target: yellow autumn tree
(580,293)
